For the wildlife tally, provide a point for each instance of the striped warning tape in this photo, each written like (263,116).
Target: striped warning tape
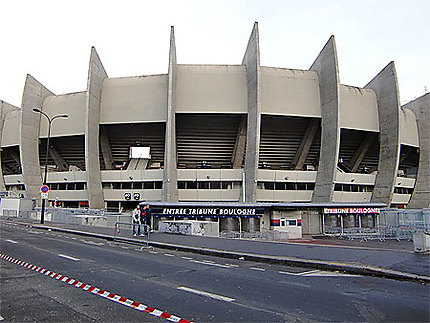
(97,291)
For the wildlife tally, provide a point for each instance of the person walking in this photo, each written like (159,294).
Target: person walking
(136,220)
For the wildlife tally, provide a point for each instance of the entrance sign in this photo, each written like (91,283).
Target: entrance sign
(352,211)
(44,196)
(207,211)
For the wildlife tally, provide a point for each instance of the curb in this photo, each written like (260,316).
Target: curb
(349,268)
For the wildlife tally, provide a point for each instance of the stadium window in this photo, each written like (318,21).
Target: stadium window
(126,185)
(291,186)
(158,185)
(148,185)
(192,185)
(337,187)
(226,185)
(203,185)
(137,185)
(280,186)
(181,185)
(301,186)
(62,186)
(70,186)
(215,185)
(53,186)
(310,186)
(80,186)
(106,185)
(116,185)
(269,186)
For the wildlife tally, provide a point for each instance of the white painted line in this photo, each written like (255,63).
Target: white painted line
(231,265)
(153,252)
(69,257)
(187,258)
(258,269)
(169,255)
(207,294)
(210,264)
(125,247)
(1,318)
(9,240)
(329,274)
(93,243)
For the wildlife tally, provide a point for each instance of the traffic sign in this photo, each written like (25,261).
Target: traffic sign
(44,188)
(44,196)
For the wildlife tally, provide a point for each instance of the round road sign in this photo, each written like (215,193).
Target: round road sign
(44,189)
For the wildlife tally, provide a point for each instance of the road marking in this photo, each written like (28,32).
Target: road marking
(207,294)
(258,269)
(329,274)
(187,258)
(231,265)
(69,257)
(125,247)
(1,318)
(92,242)
(210,264)
(169,255)
(153,252)
(9,240)
(97,291)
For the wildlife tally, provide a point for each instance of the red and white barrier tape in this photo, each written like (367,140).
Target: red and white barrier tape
(97,291)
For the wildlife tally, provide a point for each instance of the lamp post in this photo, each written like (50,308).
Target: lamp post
(64,116)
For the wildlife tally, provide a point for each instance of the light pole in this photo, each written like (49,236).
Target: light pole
(64,116)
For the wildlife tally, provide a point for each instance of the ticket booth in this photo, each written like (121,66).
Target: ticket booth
(290,222)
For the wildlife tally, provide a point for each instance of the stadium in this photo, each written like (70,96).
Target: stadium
(240,133)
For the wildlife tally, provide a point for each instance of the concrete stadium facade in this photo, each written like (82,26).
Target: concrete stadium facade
(221,133)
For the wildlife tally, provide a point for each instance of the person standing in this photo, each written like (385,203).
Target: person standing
(145,219)
(136,220)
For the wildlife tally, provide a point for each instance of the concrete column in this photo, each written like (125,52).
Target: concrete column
(34,94)
(5,108)
(96,75)
(106,151)
(326,65)
(361,151)
(305,145)
(251,60)
(421,195)
(58,159)
(170,179)
(387,92)
(240,144)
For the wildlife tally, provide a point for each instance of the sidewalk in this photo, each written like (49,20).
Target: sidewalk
(388,256)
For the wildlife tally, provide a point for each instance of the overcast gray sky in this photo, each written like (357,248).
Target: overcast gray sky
(51,40)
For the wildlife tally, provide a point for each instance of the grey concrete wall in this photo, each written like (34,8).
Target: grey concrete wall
(251,60)
(326,65)
(34,94)
(5,108)
(386,88)
(170,178)
(96,75)
(421,195)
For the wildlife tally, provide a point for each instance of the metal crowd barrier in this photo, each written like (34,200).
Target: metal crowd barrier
(143,227)
(266,235)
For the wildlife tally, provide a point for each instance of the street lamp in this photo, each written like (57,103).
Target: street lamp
(64,116)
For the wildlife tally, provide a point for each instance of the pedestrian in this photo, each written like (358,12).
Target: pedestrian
(136,220)
(145,219)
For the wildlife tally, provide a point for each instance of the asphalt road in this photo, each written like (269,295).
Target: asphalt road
(194,287)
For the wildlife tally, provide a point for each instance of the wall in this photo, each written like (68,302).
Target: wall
(143,98)
(408,128)
(214,88)
(358,109)
(72,104)
(289,92)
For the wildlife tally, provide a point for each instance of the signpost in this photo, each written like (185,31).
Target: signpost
(44,189)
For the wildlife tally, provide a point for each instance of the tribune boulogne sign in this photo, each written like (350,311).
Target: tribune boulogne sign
(207,211)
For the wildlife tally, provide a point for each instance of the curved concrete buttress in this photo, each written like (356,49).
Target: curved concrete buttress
(251,60)
(326,65)
(170,176)
(34,94)
(421,196)
(96,75)
(5,108)
(386,88)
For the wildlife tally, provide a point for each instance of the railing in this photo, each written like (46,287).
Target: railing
(132,229)
(266,235)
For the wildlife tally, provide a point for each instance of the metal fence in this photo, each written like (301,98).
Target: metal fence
(399,224)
